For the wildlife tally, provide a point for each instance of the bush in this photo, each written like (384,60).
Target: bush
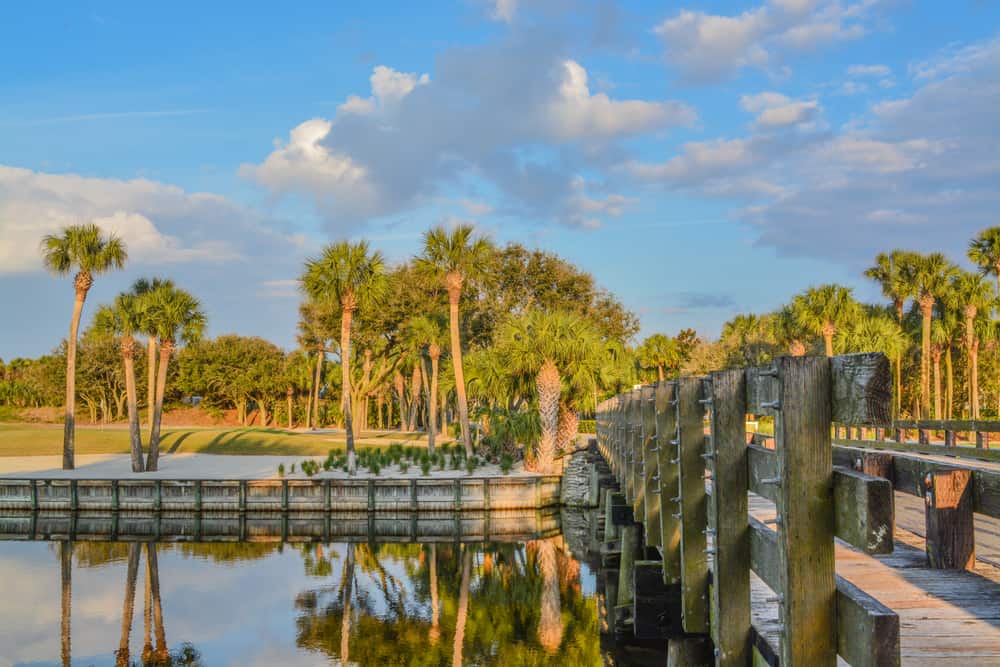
(281,470)
(404,466)
(506,461)
(471,463)
(587,426)
(425,467)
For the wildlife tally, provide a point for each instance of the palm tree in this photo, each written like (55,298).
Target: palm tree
(455,257)
(66,572)
(86,249)
(822,310)
(927,276)
(128,605)
(161,653)
(172,313)
(553,347)
(463,607)
(428,331)
(351,276)
(984,252)
(872,333)
(889,271)
(659,352)
(971,295)
(748,336)
(550,628)
(123,319)
(143,288)
(435,632)
(788,332)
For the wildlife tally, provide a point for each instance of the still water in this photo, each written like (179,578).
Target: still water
(445,602)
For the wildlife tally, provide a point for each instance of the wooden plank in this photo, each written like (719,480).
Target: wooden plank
(764,558)
(670,525)
(864,510)
(650,468)
(762,464)
(959,425)
(950,528)
(805,506)
(867,630)
(635,456)
(960,451)
(728,508)
(694,507)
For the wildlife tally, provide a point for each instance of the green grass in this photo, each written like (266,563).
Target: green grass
(46,439)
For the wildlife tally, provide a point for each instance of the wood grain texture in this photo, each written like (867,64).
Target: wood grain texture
(650,467)
(670,526)
(694,507)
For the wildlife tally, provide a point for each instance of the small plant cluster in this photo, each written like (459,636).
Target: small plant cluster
(374,459)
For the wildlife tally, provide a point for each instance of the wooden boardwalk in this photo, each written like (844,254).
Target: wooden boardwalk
(946,617)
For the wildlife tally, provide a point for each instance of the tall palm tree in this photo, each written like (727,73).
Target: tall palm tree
(550,628)
(128,605)
(971,295)
(123,319)
(463,607)
(351,276)
(822,310)
(889,271)
(66,577)
(142,289)
(927,277)
(428,331)
(984,252)
(346,586)
(788,332)
(455,257)
(660,352)
(173,313)
(435,631)
(88,250)
(872,333)
(161,653)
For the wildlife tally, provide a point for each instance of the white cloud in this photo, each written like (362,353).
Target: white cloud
(710,47)
(504,10)
(160,224)
(776,110)
(858,71)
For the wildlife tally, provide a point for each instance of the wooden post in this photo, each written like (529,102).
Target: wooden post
(371,495)
(486,493)
(982,440)
(875,464)
(34,495)
(728,509)
(688,651)
(950,540)
(74,495)
(694,506)
(635,447)
(284,495)
(197,495)
(327,501)
(899,435)
(666,438)
(949,438)
(158,496)
(650,445)
(805,506)
(243,496)
(630,544)
(923,437)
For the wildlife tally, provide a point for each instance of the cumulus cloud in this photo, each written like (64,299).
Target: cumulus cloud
(707,47)
(161,224)
(859,71)
(518,115)
(776,110)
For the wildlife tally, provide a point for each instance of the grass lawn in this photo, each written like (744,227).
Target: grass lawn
(46,439)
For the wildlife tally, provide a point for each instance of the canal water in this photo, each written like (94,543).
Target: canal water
(342,601)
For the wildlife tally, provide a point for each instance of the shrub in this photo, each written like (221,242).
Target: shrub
(404,466)
(506,461)
(293,469)
(425,467)
(281,470)
(470,464)
(587,426)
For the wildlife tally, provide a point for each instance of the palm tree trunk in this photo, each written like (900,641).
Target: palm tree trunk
(974,379)
(66,571)
(569,424)
(435,633)
(414,397)
(345,365)
(432,400)
(949,383)
(153,458)
(550,629)
(926,311)
(936,356)
(315,395)
(150,380)
(147,614)
(398,384)
(82,285)
(345,624)
(828,332)
(161,652)
(463,609)
(456,360)
(128,606)
(659,372)
(899,385)
(549,387)
(134,431)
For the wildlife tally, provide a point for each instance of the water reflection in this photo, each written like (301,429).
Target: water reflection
(339,603)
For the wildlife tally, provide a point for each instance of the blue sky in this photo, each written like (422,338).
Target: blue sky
(700,159)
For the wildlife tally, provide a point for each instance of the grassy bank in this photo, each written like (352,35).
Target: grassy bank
(46,439)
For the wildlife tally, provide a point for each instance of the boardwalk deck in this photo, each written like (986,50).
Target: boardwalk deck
(947,617)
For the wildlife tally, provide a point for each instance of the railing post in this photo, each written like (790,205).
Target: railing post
(807,600)
(635,450)
(650,476)
(950,539)
(693,509)
(923,437)
(667,460)
(728,512)
(949,438)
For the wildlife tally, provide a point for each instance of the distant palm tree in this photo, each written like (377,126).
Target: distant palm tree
(173,313)
(984,252)
(142,288)
(659,352)
(455,257)
(128,605)
(123,319)
(88,250)
(429,331)
(927,277)
(971,295)
(872,333)
(353,277)
(822,310)
(889,271)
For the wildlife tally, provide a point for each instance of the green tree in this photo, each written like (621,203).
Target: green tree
(122,319)
(972,296)
(984,252)
(455,258)
(428,331)
(822,310)
(351,276)
(90,252)
(143,288)
(173,313)
(660,352)
(890,272)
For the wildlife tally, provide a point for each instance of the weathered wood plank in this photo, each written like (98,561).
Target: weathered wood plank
(666,437)
(864,510)
(650,467)
(764,558)
(762,464)
(805,506)
(950,528)
(959,425)
(959,452)
(728,507)
(867,630)
(635,455)
(861,389)
(694,507)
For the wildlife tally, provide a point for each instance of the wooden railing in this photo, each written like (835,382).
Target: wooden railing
(658,447)
(946,433)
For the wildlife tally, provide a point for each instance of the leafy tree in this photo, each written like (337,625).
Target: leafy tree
(353,277)
(86,249)
(429,331)
(971,295)
(984,252)
(660,352)
(822,310)
(143,288)
(455,257)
